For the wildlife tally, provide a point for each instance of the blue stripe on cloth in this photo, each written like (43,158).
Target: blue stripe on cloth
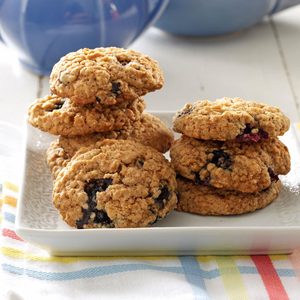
(89,272)
(286,272)
(280,272)
(247,270)
(9,217)
(194,275)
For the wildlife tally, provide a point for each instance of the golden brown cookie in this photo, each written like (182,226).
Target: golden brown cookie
(106,75)
(244,167)
(60,116)
(149,131)
(231,119)
(204,200)
(120,184)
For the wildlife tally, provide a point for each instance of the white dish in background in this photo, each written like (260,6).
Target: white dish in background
(274,229)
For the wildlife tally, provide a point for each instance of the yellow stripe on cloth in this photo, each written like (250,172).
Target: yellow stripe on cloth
(232,279)
(11,186)
(10,201)
(205,259)
(278,257)
(19,254)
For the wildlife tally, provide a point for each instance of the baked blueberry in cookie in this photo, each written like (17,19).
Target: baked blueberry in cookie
(99,216)
(252,135)
(221,159)
(163,197)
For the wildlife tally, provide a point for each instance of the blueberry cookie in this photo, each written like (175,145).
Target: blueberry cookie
(244,167)
(149,130)
(60,116)
(105,75)
(231,119)
(205,200)
(120,184)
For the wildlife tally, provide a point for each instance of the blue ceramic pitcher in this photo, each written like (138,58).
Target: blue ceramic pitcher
(41,31)
(216,17)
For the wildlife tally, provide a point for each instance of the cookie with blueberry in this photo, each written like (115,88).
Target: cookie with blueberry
(205,200)
(149,131)
(119,184)
(60,116)
(105,75)
(231,119)
(244,167)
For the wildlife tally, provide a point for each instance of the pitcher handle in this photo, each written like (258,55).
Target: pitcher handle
(283,4)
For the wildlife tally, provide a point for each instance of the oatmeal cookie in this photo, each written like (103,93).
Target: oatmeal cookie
(205,200)
(60,116)
(244,167)
(120,184)
(149,130)
(231,119)
(107,75)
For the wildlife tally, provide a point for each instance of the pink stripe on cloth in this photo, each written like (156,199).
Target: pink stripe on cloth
(295,261)
(270,277)
(11,234)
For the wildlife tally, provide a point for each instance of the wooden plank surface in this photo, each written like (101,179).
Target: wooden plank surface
(247,64)
(287,27)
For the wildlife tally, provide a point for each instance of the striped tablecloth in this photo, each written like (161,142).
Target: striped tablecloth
(28,272)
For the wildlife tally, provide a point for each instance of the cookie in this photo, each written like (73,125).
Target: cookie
(204,200)
(244,167)
(120,184)
(106,75)
(149,130)
(60,116)
(231,119)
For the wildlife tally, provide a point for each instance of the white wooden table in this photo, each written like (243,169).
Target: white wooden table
(261,63)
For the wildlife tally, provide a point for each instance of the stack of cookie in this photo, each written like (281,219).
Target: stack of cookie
(96,96)
(229,156)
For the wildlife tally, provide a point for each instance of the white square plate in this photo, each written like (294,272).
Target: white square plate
(274,229)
